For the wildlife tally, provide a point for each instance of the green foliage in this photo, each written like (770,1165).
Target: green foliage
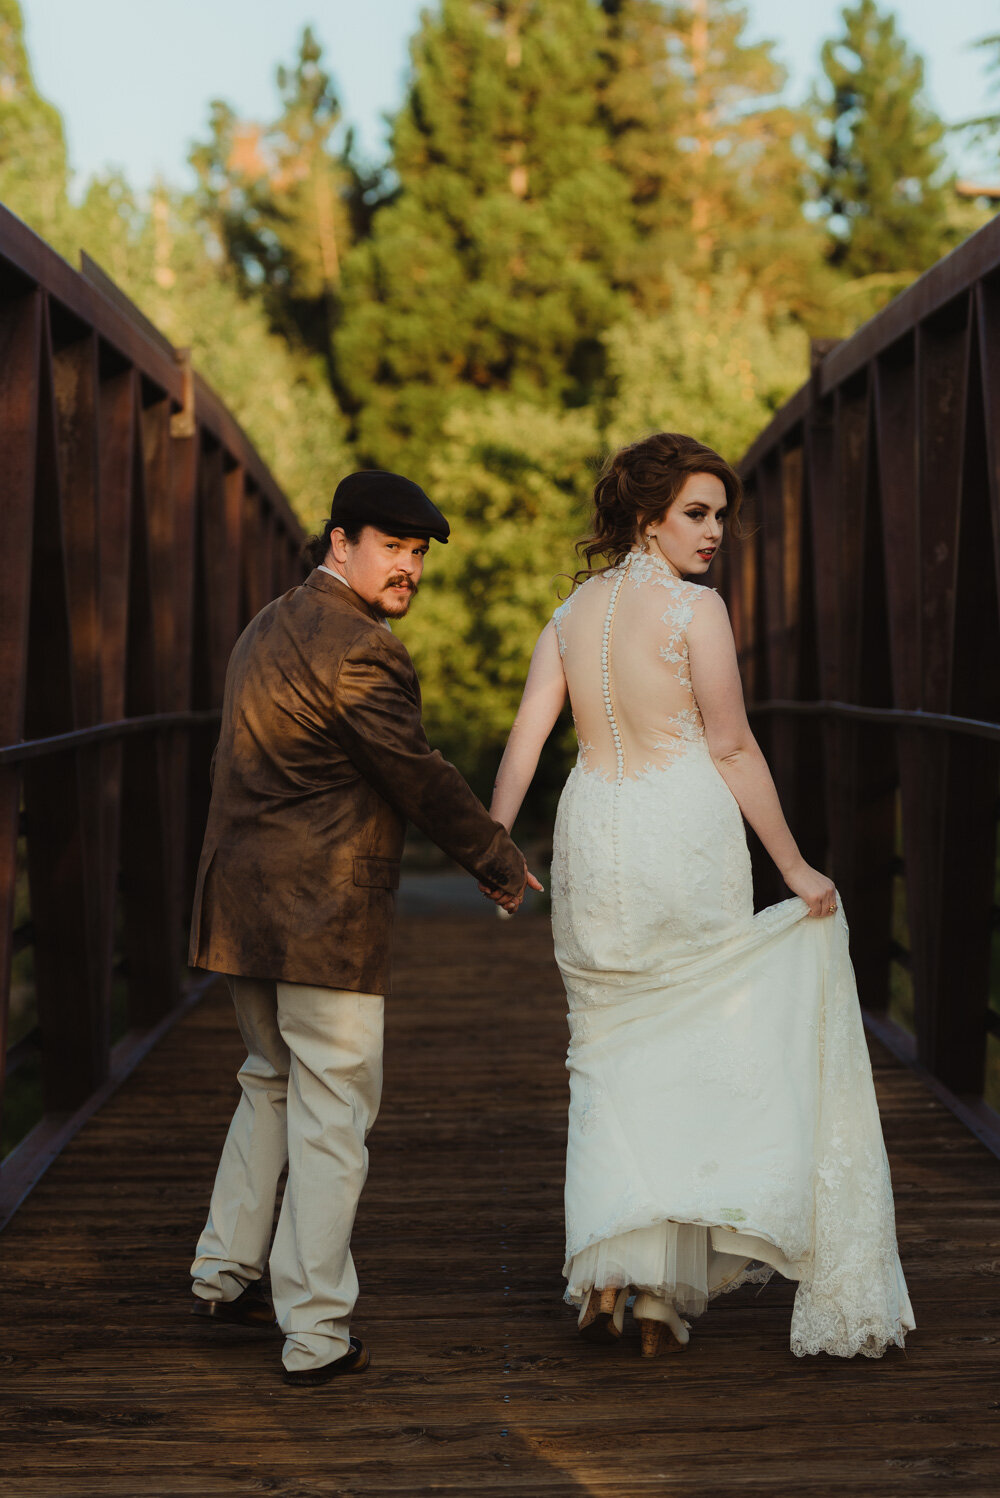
(33,170)
(712,364)
(514,480)
(884,186)
(715,160)
(642,105)
(497,266)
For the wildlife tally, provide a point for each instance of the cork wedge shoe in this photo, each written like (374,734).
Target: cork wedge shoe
(660,1328)
(602,1315)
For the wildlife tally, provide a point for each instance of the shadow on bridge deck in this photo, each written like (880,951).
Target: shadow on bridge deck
(479,1383)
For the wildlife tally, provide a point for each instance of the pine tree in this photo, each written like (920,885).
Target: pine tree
(642,103)
(33,167)
(499,264)
(285,200)
(884,186)
(716,162)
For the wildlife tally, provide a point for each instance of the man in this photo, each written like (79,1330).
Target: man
(321,761)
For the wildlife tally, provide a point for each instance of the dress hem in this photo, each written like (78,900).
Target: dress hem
(688,1263)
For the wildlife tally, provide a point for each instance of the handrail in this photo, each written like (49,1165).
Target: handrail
(865,608)
(102,733)
(141,532)
(891,716)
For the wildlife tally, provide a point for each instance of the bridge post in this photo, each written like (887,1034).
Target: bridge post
(61,687)
(20,343)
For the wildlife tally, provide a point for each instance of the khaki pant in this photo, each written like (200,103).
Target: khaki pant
(312,1082)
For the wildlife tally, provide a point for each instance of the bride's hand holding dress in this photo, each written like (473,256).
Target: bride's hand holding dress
(718,690)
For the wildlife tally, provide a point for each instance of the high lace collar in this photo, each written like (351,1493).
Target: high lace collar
(640,557)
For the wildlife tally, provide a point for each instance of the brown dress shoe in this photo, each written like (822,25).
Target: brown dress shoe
(355,1361)
(252,1308)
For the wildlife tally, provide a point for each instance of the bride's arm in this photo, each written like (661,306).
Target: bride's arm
(541,704)
(715,681)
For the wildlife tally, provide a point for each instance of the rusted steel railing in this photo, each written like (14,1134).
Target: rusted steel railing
(867,620)
(140,532)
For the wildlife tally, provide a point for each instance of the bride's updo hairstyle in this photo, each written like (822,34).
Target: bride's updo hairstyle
(639,483)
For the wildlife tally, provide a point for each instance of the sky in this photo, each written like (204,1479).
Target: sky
(133,78)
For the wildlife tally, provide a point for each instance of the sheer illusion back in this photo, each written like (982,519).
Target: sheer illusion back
(722,1119)
(622,639)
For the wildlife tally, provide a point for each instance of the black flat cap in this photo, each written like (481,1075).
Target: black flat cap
(389,502)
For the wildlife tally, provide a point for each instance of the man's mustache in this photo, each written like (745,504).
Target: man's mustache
(400,580)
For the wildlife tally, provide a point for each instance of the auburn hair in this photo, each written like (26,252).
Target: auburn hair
(639,483)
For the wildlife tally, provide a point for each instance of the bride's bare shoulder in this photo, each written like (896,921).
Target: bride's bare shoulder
(584,589)
(708,609)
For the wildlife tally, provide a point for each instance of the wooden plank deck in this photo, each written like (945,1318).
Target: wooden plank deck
(479,1382)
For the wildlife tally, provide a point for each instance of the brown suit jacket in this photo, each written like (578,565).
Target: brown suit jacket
(320,763)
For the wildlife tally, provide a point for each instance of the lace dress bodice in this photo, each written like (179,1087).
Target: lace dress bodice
(623,642)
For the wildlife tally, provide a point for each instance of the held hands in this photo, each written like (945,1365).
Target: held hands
(813,887)
(507,902)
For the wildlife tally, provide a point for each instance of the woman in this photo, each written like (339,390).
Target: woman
(722,1121)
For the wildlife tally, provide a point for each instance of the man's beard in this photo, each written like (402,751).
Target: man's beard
(397,608)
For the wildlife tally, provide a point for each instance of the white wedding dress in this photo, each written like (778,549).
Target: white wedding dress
(723,1122)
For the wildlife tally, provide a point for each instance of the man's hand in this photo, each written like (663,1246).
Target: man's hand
(507,902)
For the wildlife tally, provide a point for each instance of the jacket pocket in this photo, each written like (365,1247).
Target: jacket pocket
(376,873)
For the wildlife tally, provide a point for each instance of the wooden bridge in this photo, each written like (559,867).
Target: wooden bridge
(479,1382)
(141,531)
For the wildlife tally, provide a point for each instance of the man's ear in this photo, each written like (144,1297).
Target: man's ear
(338,545)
